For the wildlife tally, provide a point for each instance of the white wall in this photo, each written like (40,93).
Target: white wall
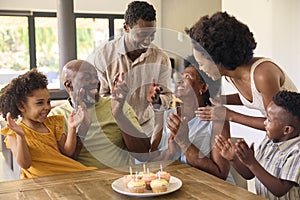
(276,28)
(286,37)
(178,15)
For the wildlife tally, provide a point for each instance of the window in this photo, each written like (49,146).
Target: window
(30,39)
(46,48)
(94,29)
(118,26)
(14,51)
(90,33)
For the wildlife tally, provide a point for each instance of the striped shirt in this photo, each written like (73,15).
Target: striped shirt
(280,159)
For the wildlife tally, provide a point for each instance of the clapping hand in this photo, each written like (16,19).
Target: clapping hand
(225,147)
(182,134)
(153,96)
(79,116)
(245,153)
(119,92)
(120,88)
(173,123)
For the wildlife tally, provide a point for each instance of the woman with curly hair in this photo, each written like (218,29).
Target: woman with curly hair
(223,46)
(38,142)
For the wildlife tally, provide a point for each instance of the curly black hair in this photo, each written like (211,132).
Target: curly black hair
(214,87)
(18,89)
(288,100)
(228,42)
(139,10)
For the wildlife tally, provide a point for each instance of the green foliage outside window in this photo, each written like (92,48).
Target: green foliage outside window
(46,48)
(85,42)
(14,48)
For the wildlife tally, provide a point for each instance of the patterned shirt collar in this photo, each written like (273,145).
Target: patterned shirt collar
(284,144)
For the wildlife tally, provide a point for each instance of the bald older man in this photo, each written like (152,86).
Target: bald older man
(101,142)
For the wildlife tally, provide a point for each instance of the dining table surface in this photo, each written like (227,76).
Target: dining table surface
(98,184)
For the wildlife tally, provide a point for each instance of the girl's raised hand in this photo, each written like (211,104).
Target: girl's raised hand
(77,117)
(13,125)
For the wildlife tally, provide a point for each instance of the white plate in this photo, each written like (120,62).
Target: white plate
(118,186)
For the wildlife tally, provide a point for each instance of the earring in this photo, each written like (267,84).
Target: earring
(200,92)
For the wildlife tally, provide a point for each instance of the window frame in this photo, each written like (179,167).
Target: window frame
(56,94)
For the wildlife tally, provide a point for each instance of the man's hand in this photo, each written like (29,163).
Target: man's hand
(153,96)
(119,92)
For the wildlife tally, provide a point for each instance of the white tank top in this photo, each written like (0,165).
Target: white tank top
(257,100)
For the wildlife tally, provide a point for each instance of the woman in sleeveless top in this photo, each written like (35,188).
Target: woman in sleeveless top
(223,46)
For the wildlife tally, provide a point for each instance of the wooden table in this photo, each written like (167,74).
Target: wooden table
(96,184)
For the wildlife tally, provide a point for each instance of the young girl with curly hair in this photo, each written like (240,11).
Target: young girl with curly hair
(37,142)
